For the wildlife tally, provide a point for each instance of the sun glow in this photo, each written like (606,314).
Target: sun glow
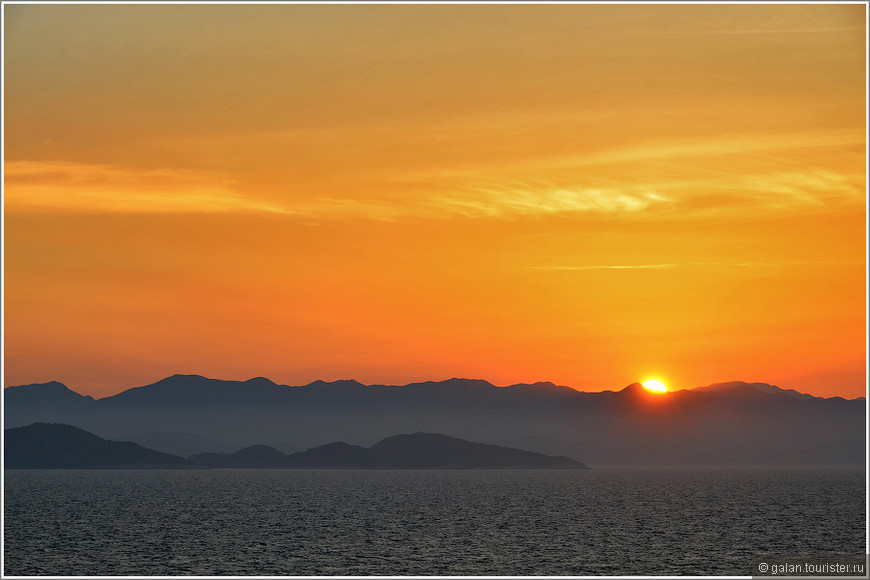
(655,386)
(408,192)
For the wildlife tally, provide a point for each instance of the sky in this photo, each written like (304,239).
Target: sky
(592,195)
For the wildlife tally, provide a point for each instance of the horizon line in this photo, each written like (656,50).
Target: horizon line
(529,384)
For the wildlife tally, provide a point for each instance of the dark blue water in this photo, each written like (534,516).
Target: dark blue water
(262,522)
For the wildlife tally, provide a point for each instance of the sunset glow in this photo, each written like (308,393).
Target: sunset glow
(655,386)
(397,193)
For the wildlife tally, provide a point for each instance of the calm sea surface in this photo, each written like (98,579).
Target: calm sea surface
(272,522)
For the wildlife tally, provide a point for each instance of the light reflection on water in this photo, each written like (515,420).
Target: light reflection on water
(529,522)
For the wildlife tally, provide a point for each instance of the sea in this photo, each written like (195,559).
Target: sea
(606,521)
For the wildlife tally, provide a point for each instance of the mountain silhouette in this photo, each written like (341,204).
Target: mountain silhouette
(182,444)
(428,450)
(57,446)
(251,457)
(414,451)
(731,423)
(751,389)
(46,395)
(332,455)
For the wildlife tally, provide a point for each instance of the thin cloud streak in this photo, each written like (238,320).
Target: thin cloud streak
(747,31)
(63,186)
(619,267)
(816,30)
(685,264)
(786,185)
(742,144)
(74,187)
(83,188)
(508,201)
(662,151)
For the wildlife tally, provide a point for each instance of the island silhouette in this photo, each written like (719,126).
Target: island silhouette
(59,446)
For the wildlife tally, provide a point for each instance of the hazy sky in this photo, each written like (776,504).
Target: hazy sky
(587,194)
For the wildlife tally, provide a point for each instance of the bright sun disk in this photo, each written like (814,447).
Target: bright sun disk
(655,386)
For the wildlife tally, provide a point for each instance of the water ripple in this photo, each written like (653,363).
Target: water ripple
(271,522)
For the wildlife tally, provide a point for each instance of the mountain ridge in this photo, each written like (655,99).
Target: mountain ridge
(733,423)
(189,380)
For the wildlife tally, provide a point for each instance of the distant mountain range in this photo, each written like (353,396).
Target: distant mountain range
(732,423)
(58,446)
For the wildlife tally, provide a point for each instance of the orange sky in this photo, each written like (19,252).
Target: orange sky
(587,194)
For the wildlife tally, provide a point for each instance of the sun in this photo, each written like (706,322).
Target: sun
(655,386)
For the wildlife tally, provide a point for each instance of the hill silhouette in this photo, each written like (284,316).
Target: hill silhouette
(413,451)
(332,455)
(182,444)
(732,423)
(751,389)
(57,446)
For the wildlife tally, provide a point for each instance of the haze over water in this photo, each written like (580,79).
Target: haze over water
(702,521)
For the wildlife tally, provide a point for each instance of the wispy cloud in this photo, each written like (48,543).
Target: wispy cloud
(674,197)
(667,175)
(544,199)
(820,30)
(813,186)
(740,31)
(810,189)
(569,268)
(617,267)
(81,187)
(708,147)
(62,186)
(78,187)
